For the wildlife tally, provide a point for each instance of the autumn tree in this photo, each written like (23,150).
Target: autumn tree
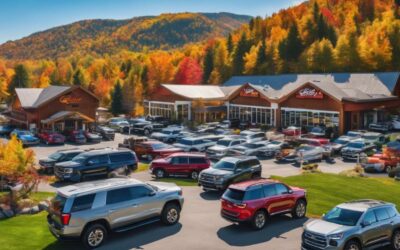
(21,78)
(189,72)
(116,99)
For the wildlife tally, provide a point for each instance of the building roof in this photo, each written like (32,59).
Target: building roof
(205,92)
(63,114)
(34,97)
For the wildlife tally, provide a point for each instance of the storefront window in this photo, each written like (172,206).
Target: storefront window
(162,109)
(303,118)
(255,115)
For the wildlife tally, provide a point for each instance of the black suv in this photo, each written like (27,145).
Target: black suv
(146,128)
(47,164)
(105,132)
(94,163)
(158,119)
(230,170)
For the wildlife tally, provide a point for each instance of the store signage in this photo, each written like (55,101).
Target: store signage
(310,93)
(249,92)
(67,99)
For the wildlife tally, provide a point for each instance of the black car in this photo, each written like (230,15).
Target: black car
(105,132)
(97,163)
(5,130)
(230,170)
(146,128)
(159,119)
(126,129)
(47,164)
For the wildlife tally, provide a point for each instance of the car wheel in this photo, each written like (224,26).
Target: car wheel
(94,236)
(194,175)
(160,173)
(396,240)
(352,245)
(388,169)
(149,157)
(259,220)
(170,214)
(299,210)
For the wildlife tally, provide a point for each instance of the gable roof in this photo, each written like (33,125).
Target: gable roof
(206,92)
(386,79)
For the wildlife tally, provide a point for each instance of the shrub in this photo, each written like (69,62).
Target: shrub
(357,171)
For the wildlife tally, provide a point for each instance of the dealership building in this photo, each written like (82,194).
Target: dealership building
(57,108)
(343,101)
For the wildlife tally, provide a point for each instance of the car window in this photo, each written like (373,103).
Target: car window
(269,190)
(69,157)
(99,159)
(82,202)
(197,160)
(370,217)
(391,211)
(381,214)
(140,192)
(121,157)
(179,160)
(243,165)
(118,195)
(254,194)
(281,189)
(235,143)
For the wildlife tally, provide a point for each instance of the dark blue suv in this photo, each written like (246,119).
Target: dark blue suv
(97,163)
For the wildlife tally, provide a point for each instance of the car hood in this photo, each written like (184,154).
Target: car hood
(168,150)
(352,149)
(218,148)
(158,135)
(47,160)
(218,172)
(68,164)
(27,137)
(164,186)
(325,228)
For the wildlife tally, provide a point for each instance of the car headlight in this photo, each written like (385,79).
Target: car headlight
(68,170)
(337,236)
(218,178)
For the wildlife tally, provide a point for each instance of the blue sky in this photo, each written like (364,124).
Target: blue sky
(19,18)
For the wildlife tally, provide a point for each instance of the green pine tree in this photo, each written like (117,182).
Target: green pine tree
(240,51)
(208,63)
(294,45)
(229,44)
(21,78)
(78,78)
(116,99)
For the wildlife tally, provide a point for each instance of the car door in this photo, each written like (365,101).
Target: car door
(147,203)
(271,201)
(243,171)
(122,208)
(96,165)
(179,165)
(385,223)
(371,228)
(284,200)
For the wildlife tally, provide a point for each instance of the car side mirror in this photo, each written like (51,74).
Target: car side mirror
(152,193)
(290,191)
(90,163)
(365,223)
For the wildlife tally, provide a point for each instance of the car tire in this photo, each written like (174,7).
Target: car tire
(194,175)
(159,173)
(352,245)
(259,220)
(94,235)
(395,243)
(149,157)
(170,214)
(388,169)
(300,209)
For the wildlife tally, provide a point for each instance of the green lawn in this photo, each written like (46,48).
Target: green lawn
(142,167)
(183,182)
(324,191)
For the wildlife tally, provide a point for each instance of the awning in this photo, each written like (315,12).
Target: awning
(67,114)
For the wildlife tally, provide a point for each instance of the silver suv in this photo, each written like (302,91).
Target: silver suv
(355,225)
(90,211)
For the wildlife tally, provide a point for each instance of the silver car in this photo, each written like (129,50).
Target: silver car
(356,225)
(90,211)
(306,154)
(221,148)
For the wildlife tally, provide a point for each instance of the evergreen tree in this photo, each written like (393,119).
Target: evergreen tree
(208,63)
(229,44)
(261,57)
(354,56)
(394,38)
(20,79)
(316,12)
(294,46)
(240,51)
(116,99)
(78,78)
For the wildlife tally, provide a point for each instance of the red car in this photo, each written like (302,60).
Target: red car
(293,131)
(313,141)
(77,136)
(51,137)
(154,149)
(255,200)
(180,164)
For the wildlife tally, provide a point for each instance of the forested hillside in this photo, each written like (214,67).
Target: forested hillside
(315,36)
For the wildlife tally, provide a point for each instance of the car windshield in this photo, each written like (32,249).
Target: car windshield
(224,165)
(159,146)
(342,216)
(24,133)
(370,137)
(275,142)
(223,143)
(353,134)
(234,194)
(166,132)
(185,142)
(56,156)
(58,202)
(341,141)
(355,145)
(317,130)
(252,145)
(80,158)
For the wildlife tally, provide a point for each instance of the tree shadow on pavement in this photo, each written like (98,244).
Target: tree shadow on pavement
(211,195)
(243,235)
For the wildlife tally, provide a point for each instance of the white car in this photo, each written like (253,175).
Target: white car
(221,148)
(254,149)
(194,144)
(273,147)
(168,135)
(252,136)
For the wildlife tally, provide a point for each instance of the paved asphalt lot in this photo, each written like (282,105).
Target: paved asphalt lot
(201,226)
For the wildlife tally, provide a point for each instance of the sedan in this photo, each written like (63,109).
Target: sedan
(93,137)
(255,148)
(306,154)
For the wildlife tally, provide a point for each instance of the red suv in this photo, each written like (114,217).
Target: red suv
(254,201)
(50,137)
(180,164)
(154,149)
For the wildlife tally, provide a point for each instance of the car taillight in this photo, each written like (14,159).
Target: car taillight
(240,205)
(65,219)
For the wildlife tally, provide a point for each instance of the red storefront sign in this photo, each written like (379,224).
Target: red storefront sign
(309,93)
(67,99)
(249,92)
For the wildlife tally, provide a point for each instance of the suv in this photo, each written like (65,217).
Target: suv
(222,147)
(254,201)
(146,128)
(354,225)
(47,164)
(252,136)
(194,144)
(180,164)
(230,170)
(356,148)
(93,210)
(154,149)
(105,132)
(97,163)
(168,135)
(376,138)
(51,137)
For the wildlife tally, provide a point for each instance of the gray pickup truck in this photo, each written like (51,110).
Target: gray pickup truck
(355,225)
(91,211)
